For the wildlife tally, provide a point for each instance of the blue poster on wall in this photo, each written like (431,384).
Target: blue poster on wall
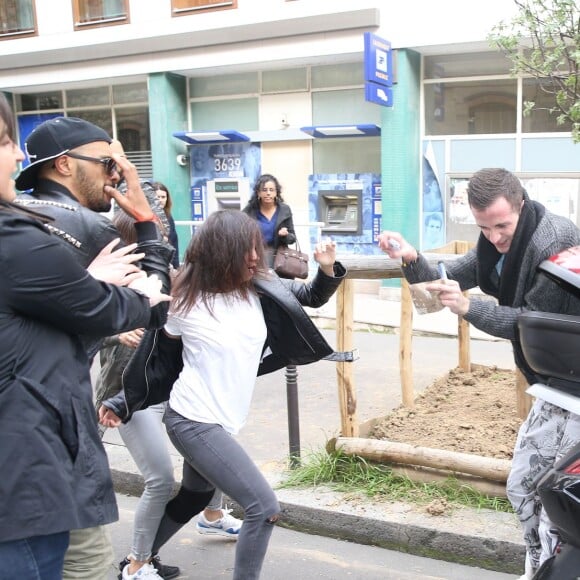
(433,206)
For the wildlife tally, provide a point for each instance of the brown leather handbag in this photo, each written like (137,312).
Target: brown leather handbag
(289,263)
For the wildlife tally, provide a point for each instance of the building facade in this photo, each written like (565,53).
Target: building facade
(205,95)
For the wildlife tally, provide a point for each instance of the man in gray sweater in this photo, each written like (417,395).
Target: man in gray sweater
(517,234)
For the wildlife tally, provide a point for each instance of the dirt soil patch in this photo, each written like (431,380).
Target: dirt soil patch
(469,412)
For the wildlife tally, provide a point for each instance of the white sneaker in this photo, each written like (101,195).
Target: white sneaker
(227,525)
(146,571)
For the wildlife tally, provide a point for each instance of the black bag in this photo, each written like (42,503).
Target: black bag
(289,263)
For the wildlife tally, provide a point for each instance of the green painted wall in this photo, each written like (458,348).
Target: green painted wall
(400,152)
(167,114)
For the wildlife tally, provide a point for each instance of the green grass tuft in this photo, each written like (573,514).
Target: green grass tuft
(350,474)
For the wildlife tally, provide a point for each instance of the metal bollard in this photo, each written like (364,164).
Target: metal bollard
(293,415)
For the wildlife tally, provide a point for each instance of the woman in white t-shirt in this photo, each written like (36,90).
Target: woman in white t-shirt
(232,315)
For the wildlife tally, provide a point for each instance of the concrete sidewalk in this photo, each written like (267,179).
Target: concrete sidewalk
(476,537)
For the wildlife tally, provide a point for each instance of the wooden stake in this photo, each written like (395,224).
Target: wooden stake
(406,346)
(523,400)
(344,371)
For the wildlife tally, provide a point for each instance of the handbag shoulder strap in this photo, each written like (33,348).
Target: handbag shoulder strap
(296,243)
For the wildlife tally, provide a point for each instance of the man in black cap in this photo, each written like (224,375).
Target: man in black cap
(71,178)
(71,167)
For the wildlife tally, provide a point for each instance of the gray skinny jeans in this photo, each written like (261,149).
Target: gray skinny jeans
(213,458)
(144,437)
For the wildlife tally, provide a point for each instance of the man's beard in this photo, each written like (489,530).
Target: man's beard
(94,198)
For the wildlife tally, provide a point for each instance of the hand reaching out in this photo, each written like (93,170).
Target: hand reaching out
(116,267)
(132,338)
(395,246)
(325,255)
(151,287)
(108,418)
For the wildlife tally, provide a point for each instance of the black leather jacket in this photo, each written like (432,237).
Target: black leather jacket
(55,474)
(292,338)
(85,233)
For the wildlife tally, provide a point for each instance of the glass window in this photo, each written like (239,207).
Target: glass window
(100,12)
(17,17)
(236,114)
(343,108)
(132,93)
(179,7)
(466,65)
(471,108)
(88,97)
(39,101)
(131,121)
(103,118)
(337,75)
(541,119)
(133,128)
(282,81)
(236,84)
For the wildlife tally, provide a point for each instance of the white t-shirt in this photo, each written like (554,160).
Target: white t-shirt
(221,354)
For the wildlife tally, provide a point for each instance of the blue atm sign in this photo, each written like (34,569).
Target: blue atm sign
(378,65)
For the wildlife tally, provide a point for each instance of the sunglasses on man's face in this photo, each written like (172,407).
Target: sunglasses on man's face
(109,163)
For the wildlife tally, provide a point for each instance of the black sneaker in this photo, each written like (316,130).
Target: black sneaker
(166,572)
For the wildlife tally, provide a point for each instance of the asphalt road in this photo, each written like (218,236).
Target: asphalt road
(294,556)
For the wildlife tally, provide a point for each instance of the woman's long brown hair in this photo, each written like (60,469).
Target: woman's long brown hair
(215,260)
(169,204)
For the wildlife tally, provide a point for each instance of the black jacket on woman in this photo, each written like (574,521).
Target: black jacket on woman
(292,339)
(283,220)
(55,474)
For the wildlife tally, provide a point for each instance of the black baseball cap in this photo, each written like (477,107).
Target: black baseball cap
(52,139)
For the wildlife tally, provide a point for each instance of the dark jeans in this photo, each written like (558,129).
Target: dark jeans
(213,455)
(35,558)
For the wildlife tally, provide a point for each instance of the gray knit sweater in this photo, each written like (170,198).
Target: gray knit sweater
(534,291)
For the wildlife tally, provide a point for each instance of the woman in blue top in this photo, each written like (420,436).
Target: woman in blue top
(274,216)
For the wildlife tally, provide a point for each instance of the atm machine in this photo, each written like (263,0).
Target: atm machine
(227,193)
(340,211)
